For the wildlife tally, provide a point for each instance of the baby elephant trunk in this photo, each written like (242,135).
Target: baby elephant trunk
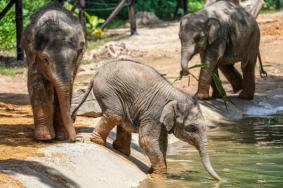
(203,152)
(186,56)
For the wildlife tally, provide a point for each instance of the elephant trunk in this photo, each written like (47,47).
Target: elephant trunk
(186,56)
(64,96)
(203,152)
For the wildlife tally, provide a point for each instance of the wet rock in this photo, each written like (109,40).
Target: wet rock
(89,108)
(147,19)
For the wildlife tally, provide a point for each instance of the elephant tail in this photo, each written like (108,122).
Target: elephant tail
(74,113)
(263,73)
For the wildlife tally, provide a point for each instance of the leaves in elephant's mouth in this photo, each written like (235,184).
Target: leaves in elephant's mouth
(216,80)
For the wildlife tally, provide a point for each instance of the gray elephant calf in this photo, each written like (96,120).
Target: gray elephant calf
(223,33)
(53,42)
(139,99)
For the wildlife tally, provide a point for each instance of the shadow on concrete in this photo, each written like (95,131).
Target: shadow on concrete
(14,98)
(135,148)
(47,175)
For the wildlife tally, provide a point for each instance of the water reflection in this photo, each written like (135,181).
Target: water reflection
(248,153)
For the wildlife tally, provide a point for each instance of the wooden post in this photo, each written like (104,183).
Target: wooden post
(82,15)
(114,13)
(61,2)
(184,4)
(277,4)
(181,4)
(132,16)
(5,10)
(19,28)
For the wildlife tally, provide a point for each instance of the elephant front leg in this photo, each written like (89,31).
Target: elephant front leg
(60,131)
(41,97)
(103,128)
(123,141)
(215,90)
(154,143)
(203,84)
(205,76)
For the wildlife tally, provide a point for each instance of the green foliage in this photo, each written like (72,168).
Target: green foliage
(11,71)
(93,22)
(8,26)
(215,79)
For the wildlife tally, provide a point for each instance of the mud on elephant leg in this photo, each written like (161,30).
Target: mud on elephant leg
(104,126)
(123,141)
(155,149)
(203,85)
(248,81)
(60,131)
(233,76)
(41,94)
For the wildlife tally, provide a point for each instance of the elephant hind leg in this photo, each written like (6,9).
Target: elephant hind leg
(249,80)
(104,126)
(233,76)
(123,141)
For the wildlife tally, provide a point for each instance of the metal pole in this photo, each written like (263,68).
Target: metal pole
(19,28)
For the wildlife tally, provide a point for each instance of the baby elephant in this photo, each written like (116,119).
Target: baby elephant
(138,99)
(223,34)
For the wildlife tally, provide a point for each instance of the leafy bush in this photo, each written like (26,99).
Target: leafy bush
(7,23)
(93,22)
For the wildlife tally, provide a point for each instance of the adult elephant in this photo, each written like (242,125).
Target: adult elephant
(53,43)
(223,33)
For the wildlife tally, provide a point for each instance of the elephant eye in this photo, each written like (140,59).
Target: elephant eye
(191,128)
(197,38)
(45,59)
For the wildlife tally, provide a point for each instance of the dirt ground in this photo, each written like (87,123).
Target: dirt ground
(158,47)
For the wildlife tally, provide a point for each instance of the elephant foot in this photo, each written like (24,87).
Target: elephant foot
(246,96)
(42,133)
(97,139)
(157,173)
(61,134)
(121,148)
(202,96)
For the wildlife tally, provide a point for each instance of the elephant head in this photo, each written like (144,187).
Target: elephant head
(184,119)
(57,49)
(197,32)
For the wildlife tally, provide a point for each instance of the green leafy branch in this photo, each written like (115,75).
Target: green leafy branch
(215,78)
(93,22)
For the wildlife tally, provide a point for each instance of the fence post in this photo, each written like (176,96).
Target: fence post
(185,6)
(82,17)
(132,16)
(19,27)
(114,13)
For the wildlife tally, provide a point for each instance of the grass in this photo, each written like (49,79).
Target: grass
(269,11)
(11,71)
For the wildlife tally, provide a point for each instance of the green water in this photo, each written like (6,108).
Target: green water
(248,154)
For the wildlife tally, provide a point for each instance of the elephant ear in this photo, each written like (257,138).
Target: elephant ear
(168,115)
(213,28)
